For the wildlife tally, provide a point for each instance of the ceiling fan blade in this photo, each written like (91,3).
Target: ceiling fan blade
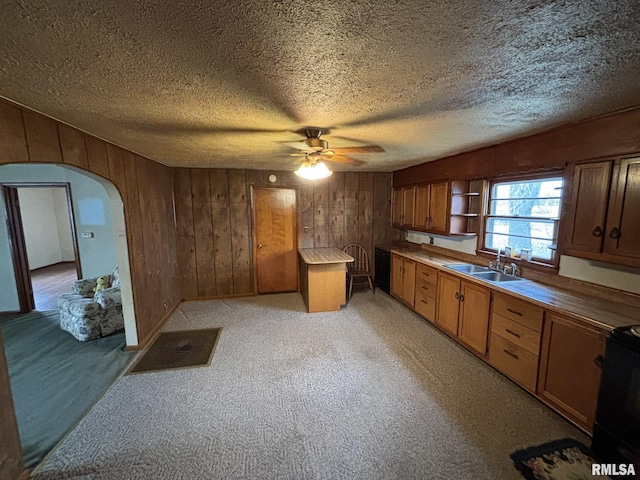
(299,146)
(302,154)
(365,149)
(345,160)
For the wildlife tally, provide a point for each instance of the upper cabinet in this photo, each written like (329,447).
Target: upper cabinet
(443,208)
(602,220)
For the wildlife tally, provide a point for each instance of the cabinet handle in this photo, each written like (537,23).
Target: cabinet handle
(425,288)
(615,233)
(457,295)
(512,333)
(426,219)
(597,232)
(462,298)
(423,302)
(259,245)
(598,361)
(430,218)
(511,354)
(515,312)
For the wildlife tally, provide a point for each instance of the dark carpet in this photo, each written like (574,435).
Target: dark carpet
(178,349)
(55,379)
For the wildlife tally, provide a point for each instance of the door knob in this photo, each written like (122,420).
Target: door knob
(259,245)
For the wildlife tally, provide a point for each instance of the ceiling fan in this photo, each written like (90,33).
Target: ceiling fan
(316,150)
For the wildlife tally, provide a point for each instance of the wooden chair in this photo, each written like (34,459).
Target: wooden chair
(359,269)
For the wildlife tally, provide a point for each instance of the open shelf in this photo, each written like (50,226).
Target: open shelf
(466,202)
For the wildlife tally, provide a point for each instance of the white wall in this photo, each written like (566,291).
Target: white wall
(92,211)
(608,275)
(45,222)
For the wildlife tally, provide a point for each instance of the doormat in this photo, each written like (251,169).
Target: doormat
(561,459)
(180,349)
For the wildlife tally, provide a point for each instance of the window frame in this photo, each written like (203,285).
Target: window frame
(486,216)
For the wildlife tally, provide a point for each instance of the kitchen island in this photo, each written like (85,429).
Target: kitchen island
(323,278)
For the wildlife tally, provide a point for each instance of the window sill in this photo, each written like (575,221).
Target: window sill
(532,265)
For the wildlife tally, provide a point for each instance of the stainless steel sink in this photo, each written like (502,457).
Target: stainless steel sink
(495,276)
(468,268)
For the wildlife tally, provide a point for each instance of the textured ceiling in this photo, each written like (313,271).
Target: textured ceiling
(225,83)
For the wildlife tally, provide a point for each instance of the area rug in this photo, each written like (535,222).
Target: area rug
(565,459)
(179,349)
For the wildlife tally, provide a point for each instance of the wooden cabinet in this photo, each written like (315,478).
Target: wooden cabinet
(602,220)
(403,279)
(466,204)
(463,311)
(426,291)
(403,211)
(514,345)
(570,369)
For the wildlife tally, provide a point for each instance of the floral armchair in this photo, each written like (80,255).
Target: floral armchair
(87,315)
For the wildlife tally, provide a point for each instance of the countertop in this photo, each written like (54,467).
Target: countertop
(320,256)
(591,310)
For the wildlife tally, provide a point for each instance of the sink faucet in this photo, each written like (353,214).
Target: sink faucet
(498,264)
(513,267)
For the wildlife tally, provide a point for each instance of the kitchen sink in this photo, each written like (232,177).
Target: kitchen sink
(468,268)
(495,276)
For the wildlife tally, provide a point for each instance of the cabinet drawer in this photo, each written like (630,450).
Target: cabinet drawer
(426,306)
(521,312)
(426,273)
(426,287)
(514,361)
(516,333)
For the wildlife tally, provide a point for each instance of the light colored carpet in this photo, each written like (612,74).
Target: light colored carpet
(369,392)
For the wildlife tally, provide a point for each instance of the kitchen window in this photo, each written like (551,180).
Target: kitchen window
(524,214)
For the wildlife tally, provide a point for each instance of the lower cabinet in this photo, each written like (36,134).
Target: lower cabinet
(403,279)
(426,291)
(463,311)
(570,368)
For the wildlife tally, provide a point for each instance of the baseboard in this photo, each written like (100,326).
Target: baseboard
(220,297)
(152,334)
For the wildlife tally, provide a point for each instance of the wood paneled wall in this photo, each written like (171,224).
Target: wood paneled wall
(214,228)
(612,135)
(145,187)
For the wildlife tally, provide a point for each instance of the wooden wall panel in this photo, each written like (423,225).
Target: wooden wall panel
(351,185)
(72,144)
(42,138)
(203,232)
(185,239)
(365,212)
(321,222)
(223,258)
(97,156)
(13,142)
(115,158)
(336,210)
(240,232)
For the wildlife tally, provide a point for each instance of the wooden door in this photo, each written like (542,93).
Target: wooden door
(408,206)
(439,207)
(448,304)
(396,214)
(570,369)
(275,240)
(421,218)
(474,316)
(409,281)
(396,275)
(589,194)
(623,225)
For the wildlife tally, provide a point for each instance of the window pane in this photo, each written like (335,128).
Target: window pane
(517,233)
(539,248)
(544,208)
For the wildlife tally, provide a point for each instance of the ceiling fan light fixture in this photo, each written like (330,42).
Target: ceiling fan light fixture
(313,171)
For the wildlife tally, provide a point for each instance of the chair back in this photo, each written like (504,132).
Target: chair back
(360,258)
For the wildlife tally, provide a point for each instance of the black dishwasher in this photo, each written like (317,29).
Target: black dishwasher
(382,278)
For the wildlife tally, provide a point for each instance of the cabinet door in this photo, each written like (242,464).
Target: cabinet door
(409,281)
(448,305)
(396,275)
(439,207)
(623,225)
(421,219)
(408,206)
(590,191)
(569,371)
(396,214)
(474,317)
